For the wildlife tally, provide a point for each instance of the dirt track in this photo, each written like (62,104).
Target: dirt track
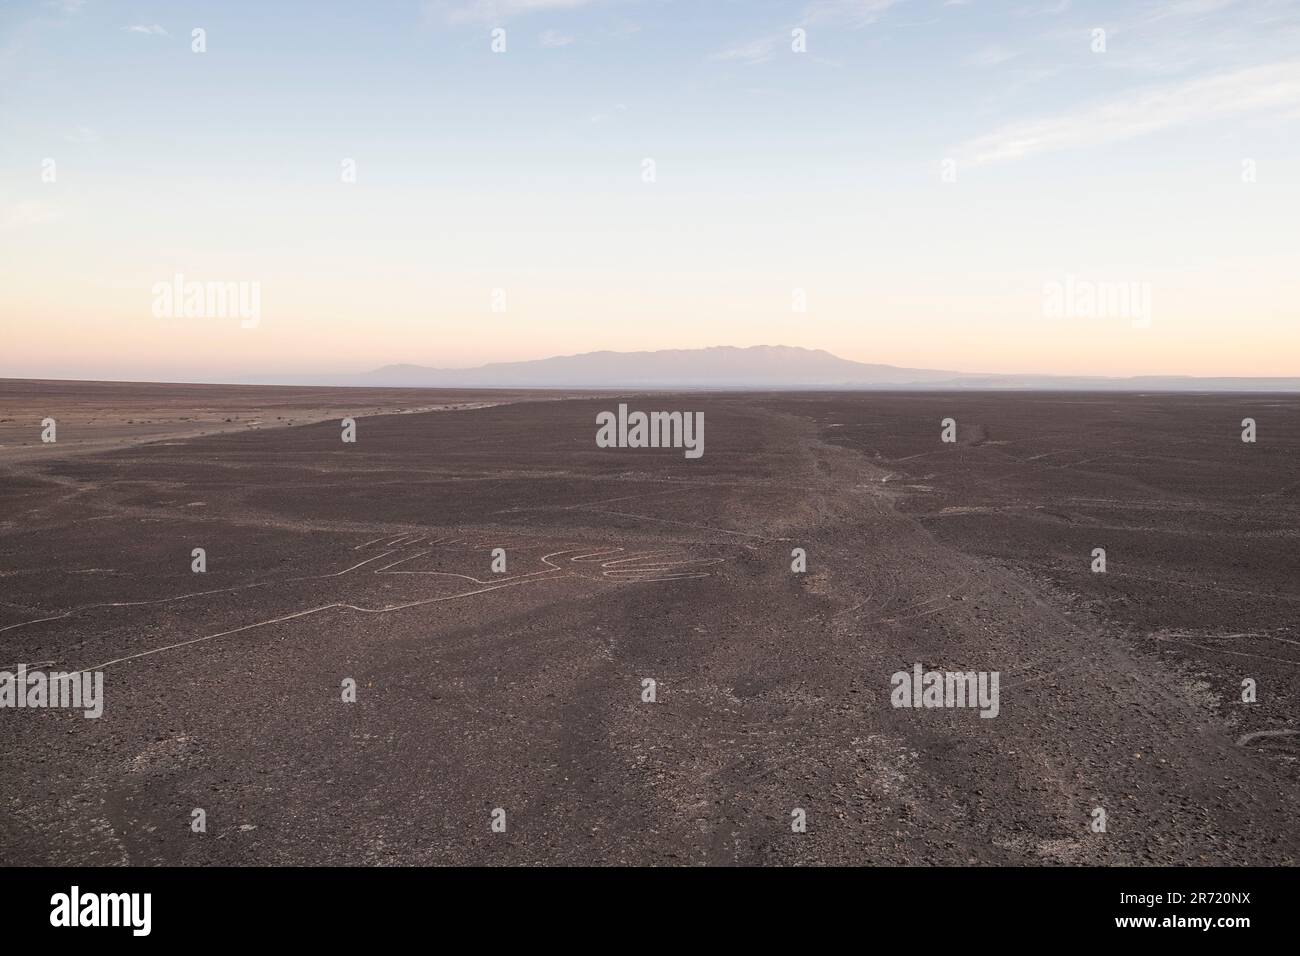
(522,690)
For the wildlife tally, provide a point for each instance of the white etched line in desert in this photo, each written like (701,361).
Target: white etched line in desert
(547,573)
(410,557)
(298,614)
(1220,650)
(195,594)
(1264,734)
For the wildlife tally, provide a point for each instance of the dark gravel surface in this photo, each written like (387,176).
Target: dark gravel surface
(523,690)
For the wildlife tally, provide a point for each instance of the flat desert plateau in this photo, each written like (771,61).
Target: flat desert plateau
(523,690)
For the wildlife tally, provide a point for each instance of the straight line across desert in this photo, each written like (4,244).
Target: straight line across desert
(398,478)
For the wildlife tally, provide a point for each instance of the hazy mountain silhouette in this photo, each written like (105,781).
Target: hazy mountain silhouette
(757,367)
(766,366)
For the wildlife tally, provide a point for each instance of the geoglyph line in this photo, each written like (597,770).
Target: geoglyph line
(645,567)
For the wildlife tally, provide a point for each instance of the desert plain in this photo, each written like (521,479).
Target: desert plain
(519,693)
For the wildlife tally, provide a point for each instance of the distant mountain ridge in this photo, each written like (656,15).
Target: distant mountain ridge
(764,367)
(722,366)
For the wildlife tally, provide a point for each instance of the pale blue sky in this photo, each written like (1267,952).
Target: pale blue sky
(775,170)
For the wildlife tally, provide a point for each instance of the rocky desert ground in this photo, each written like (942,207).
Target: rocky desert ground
(648,679)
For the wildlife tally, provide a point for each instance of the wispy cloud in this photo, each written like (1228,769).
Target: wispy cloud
(151,29)
(1052,9)
(852,13)
(1262,89)
(1184,8)
(1168,37)
(554,38)
(66,7)
(749,51)
(493,11)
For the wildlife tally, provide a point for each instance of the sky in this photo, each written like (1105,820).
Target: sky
(1034,186)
